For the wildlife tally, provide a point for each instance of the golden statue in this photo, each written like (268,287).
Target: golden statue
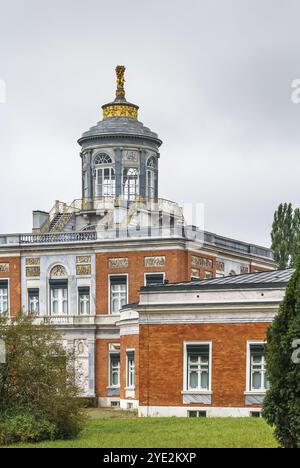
(120,71)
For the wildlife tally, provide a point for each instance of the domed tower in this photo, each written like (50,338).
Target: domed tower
(119,155)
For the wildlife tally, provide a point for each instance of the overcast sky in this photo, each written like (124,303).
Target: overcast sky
(212,78)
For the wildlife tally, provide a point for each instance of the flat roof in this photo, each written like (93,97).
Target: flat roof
(268,279)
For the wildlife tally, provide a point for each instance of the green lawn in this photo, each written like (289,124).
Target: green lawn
(130,432)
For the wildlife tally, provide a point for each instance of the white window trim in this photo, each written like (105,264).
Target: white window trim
(154,273)
(186,391)
(128,387)
(110,385)
(51,302)
(27,299)
(248,370)
(48,290)
(90,305)
(8,295)
(109,290)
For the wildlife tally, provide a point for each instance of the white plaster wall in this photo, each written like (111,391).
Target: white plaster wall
(182,411)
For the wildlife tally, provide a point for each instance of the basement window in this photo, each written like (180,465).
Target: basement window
(197,414)
(115,404)
(255,414)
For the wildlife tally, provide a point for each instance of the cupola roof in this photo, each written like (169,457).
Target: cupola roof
(120,117)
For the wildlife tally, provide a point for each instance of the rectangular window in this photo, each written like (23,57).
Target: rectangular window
(154,278)
(197,414)
(198,366)
(84,301)
(114,370)
(258,371)
(33,301)
(118,293)
(130,364)
(59,297)
(3,297)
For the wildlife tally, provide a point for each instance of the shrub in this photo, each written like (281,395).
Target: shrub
(39,378)
(25,428)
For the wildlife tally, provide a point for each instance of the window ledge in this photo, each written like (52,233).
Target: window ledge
(110,387)
(256,392)
(129,388)
(196,392)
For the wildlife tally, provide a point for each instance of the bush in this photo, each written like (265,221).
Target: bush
(39,378)
(25,428)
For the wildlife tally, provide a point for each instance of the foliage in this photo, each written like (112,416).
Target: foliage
(282,402)
(25,428)
(38,377)
(282,235)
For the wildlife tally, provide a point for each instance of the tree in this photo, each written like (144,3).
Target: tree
(296,237)
(282,402)
(38,377)
(283,235)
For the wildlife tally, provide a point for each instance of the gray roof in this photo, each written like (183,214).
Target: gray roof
(269,279)
(115,126)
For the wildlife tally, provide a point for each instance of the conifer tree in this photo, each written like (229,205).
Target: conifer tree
(282,402)
(283,236)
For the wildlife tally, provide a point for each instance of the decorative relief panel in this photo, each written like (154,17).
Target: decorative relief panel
(32,261)
(220,265)
(83,270)
(244,269)
(155,261)
(4,267)
(32,272)
(131,156)
(83,260)
(58,271)
(118,262)
(202,262)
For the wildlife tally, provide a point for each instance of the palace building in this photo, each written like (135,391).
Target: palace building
(84,262)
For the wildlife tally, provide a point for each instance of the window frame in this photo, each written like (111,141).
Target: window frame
(129,196)
(6,313)
(249,389)
(51,288)
(78,300)
(110,383)
(28,300)
(112,180)
(128,386)
(185,367)
(114,275)
(149,273)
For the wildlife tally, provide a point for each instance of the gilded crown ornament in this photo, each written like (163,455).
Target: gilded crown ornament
(120,107)
(120,72)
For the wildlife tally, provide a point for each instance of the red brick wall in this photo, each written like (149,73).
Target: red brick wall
(161,361)
(102,363)
(129,342)
(14,276)
(176,269)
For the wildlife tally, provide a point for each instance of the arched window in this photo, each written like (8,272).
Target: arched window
(150,177)
(102,158)
(58,290)
(131,183)
(105,181)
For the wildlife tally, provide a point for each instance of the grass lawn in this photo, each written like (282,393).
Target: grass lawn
(123,430)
